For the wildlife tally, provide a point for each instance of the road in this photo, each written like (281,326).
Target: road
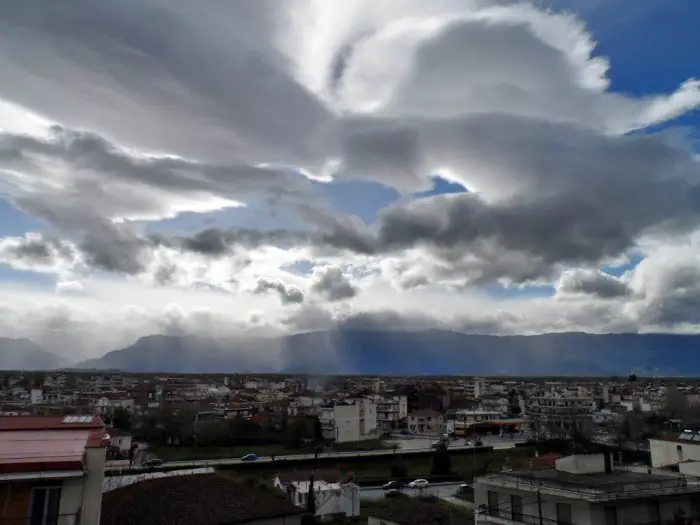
(495,442)
(441,490)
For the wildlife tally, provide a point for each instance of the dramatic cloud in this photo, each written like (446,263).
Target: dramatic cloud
(333,285)
(592,282)
(248,114)
(287,294)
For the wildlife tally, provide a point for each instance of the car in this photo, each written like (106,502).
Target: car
(464,487)
(418,484)
(249,457)
(153,462)
(393,485)
(393,493)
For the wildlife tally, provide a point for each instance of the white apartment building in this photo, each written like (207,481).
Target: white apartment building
(354,419)
(332,499)
(475,387)
(584,490)
(391,411)
(565,411)
(675,450)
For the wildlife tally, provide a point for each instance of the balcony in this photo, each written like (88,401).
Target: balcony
(501,517)
(613,486)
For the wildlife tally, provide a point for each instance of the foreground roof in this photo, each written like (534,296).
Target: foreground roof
(204,499)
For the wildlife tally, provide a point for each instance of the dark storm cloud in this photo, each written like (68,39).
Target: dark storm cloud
(287,294)
(333,285)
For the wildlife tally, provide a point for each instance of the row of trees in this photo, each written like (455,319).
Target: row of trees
(181,427)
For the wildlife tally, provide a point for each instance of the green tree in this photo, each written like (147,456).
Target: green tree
(675,402)
(311,499)
(294,434)
(399,469)
(121,418)
(442,464)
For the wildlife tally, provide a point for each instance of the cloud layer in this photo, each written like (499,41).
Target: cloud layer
(113,119)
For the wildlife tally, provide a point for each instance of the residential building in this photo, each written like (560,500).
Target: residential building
(391,412)
(584,490)
(475,387)
(407,511)
(556,413)
(675,449)
(51,469)
(466,420)
(201,499)
(332,499)
(354,419)
(426,422)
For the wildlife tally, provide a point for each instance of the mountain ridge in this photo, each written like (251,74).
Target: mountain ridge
(25,354)
(430,352)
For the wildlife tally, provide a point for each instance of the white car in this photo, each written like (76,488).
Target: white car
(418,484)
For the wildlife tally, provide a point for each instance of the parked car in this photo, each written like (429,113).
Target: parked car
(153,462)
(249,457)
(464,487)
(393,485)
(393,493)
(418,483)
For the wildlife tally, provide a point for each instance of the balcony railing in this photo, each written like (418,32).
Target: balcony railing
(61,519)
(506,517)
(603,491)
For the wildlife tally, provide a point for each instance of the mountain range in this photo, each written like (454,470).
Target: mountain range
(370,352)
(23,354)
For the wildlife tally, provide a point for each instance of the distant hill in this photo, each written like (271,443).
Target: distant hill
(23,354)
(432,352)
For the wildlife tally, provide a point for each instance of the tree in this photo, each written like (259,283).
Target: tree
(441,460)
(675,402)
(318,430)
(294,434)
(311,499)
(121,418)
(399,469)
(632,378)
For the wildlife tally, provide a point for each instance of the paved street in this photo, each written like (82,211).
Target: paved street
(441,490)
(423,445)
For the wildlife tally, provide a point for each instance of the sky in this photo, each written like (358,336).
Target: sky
(259,167)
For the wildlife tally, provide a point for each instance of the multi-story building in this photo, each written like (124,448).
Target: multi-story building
(51,470)
(556,413)
(391,411)
(466,420)
(585,490)
(475,387)
(427,423)
(353,419)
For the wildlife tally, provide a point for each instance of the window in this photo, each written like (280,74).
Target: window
(44,506)
(610,515)
(516,508)
(493,503)
(563,514)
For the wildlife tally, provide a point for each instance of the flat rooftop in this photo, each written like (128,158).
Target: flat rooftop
(602,486)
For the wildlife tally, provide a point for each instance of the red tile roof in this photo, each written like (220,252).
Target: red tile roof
(9,423)
(43,450)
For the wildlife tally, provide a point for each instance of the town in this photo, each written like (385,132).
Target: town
(351,449)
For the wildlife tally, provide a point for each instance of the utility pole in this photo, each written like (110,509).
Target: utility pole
(539,506)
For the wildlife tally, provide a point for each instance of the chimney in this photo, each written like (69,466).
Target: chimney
(608,463)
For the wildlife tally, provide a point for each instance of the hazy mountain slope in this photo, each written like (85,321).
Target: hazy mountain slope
(403,353)
(23,354)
